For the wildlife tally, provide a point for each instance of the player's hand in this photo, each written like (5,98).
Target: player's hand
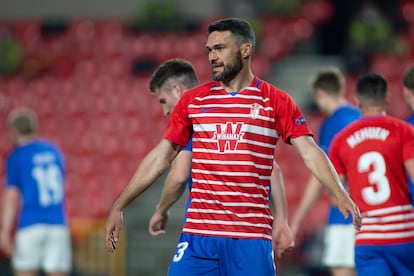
(345,205)
(113,228)
(158,223)
(282,239)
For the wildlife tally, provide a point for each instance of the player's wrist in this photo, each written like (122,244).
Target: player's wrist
(161,209)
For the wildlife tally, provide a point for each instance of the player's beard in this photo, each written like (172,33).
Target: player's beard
(230,70)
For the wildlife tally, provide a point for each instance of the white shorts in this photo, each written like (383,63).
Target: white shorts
(45,247)
(339,245)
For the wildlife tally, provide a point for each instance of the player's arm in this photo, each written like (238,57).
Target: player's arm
(282,236)
(174,187)
(11,202)
(152,166)
(322,168)
(332,198)
(311,195)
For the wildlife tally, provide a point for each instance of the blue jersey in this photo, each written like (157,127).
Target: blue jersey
(189,147)
(344,115)
(410,182)
(411,119)
(36,169)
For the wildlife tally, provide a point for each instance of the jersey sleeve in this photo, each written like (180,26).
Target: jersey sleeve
(323,137)
(291,121)
(179,129)
(11,172)
(334,155)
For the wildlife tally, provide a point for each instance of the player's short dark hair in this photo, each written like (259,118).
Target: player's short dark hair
(372,89)
(331,80)
(174,68)
(240,28)
(408,78)
(23,120)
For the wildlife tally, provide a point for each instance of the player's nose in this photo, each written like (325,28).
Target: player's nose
(167,111)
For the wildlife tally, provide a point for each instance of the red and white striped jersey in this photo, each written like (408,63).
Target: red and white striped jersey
(371,153)
(234,138)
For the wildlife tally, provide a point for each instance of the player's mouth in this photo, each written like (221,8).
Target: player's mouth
(216,66)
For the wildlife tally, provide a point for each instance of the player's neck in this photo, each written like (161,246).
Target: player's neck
(335,103)
(411,106)
(373,111)
(241,81)
(24,139)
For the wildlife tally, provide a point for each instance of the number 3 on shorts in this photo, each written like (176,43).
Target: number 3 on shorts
(181,247)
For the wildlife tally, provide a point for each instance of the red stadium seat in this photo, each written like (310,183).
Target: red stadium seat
(317,12)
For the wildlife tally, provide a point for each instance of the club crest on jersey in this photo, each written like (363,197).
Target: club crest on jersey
(254,110)
(228,136)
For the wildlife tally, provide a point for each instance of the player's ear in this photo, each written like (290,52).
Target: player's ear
(246,50)
(177,90)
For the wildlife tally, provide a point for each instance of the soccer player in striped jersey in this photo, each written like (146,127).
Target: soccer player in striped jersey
(338,253)
(235,121)
(169,82)
(373,155)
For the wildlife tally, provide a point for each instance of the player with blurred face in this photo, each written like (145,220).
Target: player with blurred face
(34,197)
(329,89)
(408,93)
(373,155)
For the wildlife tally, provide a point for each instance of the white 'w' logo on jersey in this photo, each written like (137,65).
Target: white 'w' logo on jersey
(228,136)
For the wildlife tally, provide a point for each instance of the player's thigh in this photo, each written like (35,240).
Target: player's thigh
(370,261)
(195,255)
(400,258)
(246,257)
(28,248)
(339,246)
(57,254)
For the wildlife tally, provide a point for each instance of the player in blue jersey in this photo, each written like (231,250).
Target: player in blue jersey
(338,255)
(408,91)
(34,197)
(168,82)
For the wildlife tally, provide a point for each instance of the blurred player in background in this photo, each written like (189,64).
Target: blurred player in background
(34,196)
(235,122)
(408,92)
(338,255)
(169,82)
(373,155)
